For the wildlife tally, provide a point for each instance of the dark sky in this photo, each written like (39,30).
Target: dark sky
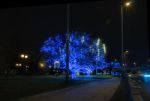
(26,28)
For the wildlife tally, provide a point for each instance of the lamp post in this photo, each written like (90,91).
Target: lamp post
(67,44)
(123,4)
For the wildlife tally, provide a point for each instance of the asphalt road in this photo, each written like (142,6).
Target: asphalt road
(143,85)
(145,91)
(94,91)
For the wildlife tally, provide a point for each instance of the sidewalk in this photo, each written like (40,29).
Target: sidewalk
(94,91)
(135,90)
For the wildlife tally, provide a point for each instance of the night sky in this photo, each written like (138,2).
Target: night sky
(26,28)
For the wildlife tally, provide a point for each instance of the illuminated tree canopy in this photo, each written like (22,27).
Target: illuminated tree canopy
(85,53)
(115,64)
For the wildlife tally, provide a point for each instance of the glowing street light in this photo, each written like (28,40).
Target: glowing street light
(18,64)
(22,55)
(42,65)
(126,51)
(127,4)
(26,56)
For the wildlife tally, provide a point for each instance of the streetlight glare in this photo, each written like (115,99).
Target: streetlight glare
(22,55)
(126,51)
(17,64)
(41,65)
(26,56)
(127,4)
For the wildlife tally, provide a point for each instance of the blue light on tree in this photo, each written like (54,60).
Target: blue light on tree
(115,64)
(85,54)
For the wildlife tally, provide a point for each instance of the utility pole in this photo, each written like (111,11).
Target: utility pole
(122,45)
(67,44)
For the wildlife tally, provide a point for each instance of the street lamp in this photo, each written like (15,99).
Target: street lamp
(18,64)
(123,4)
(24,56)
(125,60)
(128,4)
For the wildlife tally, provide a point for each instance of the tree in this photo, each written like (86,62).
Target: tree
(85,54)
(53,50)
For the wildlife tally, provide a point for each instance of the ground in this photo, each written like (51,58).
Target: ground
(99,90)
(12,88)
(123,93)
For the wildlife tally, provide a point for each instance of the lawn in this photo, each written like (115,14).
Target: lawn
(13,88)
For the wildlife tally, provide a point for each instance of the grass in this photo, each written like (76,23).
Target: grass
(22,86)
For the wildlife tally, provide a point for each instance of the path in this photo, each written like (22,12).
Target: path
(95,91)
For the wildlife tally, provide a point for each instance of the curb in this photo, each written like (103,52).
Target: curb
(135,90)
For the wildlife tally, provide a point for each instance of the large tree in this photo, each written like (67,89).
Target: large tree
(85,53)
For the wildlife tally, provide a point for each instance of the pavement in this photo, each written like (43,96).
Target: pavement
(135,90)
(101,90)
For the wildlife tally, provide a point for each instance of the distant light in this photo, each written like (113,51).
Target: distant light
(98,42)
(134,63)
(41,65)
(126,51)
(17,64)
(146,75)
(129,75)
(104,47)
(22,55)
(26,56)
(82,39)
(127,4)
(50,66)
(27,66)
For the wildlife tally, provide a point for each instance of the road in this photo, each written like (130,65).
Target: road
(94,91)
(145,91)
(123,93)
(141,87)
